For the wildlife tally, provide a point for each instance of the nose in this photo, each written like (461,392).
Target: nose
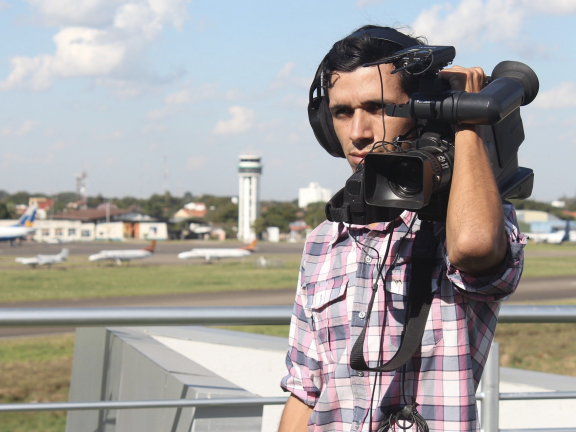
(361,130)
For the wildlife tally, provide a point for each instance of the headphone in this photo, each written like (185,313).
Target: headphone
(318,112)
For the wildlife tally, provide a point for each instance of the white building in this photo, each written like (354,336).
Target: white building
(153,231)
(313,193)
(249,171)
(64,230)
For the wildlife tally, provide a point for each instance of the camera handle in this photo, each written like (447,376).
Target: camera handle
(512,84)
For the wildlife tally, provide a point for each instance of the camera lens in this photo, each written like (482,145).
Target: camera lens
(407,176)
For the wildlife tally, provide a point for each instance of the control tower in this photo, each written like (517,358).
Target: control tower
(249,170)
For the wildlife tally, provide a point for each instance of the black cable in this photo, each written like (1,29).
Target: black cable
(380,267)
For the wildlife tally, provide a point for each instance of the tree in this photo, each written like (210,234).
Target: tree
(315,214)
(537,205)
(188,197)
(226,213)
(276,214)
(5,212)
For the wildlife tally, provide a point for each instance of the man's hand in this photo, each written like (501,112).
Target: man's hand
(475,235)
(295,416)
(470,80)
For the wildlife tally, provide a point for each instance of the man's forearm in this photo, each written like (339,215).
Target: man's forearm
(295,416)
(475,234)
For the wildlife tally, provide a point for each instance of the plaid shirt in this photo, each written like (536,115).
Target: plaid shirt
(333,292)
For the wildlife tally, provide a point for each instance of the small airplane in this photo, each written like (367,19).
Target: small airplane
(208,254)
(52,240)
(124,255)
(21,229)
(48,260)
(557,237)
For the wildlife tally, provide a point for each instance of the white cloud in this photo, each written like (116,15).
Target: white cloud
(4,5)
(361,3)
(161,113)
(19,131)
(97,38)
(189,94)
(242,120)
(554,7)
(154,127)
(472,22)
(561,96)
(58,146)
(109,161)
(286,78)
(11,158)
(196,162)
(295,102)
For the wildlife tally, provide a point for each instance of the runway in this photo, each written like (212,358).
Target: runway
(529,290)
(162,248)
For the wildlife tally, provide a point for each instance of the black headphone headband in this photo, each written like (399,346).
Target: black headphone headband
(318,112)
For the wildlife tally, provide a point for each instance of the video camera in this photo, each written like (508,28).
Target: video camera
(419,178)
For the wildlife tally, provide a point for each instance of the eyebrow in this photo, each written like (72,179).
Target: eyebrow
(368,102)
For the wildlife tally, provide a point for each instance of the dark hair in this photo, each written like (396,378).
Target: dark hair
(350,53)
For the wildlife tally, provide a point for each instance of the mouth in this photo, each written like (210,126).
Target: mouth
(358,156)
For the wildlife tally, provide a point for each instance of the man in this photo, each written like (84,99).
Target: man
(478,262)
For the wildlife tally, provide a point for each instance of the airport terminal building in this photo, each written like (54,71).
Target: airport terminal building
(99,224)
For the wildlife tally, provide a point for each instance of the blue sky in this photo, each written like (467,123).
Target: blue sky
(116,87)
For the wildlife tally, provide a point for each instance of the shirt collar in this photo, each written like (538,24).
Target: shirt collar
(342,228)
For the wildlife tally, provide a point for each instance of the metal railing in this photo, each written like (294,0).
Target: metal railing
(275,315)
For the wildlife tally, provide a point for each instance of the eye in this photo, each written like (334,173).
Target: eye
(342,112)
(374,108)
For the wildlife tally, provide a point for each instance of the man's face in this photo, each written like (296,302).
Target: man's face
(356,107)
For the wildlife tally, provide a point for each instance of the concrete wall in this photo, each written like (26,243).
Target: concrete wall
(65,230)
(153,231)
(128,364)
(110,231)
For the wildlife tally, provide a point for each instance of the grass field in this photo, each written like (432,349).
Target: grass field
(113,281)
(80,279)
(35,370)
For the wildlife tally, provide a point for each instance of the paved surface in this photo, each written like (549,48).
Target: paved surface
(530,290)
(165,253)
(162,248)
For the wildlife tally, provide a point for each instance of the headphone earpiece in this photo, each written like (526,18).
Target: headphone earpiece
(321,121)
(319,114)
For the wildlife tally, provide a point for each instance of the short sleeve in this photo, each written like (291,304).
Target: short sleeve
(304,377)
(501,284)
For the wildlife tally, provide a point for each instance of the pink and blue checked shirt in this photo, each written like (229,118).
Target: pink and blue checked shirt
(331,302)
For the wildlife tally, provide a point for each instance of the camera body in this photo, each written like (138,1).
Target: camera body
(419,179)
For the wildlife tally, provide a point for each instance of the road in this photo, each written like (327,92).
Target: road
(530,290)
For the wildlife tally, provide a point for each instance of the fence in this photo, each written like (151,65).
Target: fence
(277,315)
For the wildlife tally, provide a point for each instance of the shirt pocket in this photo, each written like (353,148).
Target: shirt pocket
(397,298)
(325,303)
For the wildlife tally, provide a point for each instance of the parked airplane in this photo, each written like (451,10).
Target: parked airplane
(124,255)
(557,237)
(208,254)
(40,260)
(21,229)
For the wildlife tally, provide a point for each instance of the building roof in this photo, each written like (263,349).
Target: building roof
(190,214)
(88,215)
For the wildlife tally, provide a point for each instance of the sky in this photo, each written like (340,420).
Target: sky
(147,94)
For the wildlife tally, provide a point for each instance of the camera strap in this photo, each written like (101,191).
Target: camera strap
(420,301)
(336,210)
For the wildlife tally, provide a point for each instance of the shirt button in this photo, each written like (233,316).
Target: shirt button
(360,373)
(362,315)
(368,259)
